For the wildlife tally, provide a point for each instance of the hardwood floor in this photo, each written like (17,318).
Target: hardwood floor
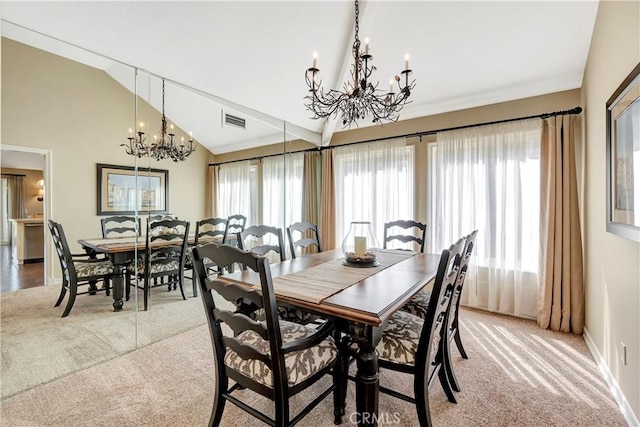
(16,276)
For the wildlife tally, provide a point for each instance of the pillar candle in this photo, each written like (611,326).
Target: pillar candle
(360,244)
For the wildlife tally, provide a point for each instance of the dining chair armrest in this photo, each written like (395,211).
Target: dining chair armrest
(311,340)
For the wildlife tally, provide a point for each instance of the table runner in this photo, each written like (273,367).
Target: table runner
(317,283)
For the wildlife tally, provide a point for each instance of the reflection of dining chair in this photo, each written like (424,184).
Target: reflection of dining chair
(77,269)
(120,226)
(303,235)
(235,225)
(408,230)
(207,230)
(268,241)
(276,359)
(160,217)
(261,240)
(165,261)
(417,346)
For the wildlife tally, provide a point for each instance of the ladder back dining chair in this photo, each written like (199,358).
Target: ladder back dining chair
(120,226)
(274,358)
(303,235)
(78,269)
(412,232)
(166,261)
(415,346)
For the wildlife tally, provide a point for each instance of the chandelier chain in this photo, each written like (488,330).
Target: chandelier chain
(357,21)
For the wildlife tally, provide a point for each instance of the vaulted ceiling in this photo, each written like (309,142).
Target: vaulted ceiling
(249,57)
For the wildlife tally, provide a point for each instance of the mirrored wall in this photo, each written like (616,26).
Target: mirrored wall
(84,108)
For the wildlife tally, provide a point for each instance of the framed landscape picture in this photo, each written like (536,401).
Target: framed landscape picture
(623,158)
(124,190)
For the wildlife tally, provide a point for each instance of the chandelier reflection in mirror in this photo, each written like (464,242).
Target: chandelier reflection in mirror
(360,97)
(162,147)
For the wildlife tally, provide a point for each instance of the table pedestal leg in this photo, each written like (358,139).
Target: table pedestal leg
(119,266)
(367,380)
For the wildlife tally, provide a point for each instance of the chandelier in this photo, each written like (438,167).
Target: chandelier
(360,97)
(163,147)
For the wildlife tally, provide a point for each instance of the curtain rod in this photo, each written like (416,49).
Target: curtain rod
(265,156)
(575,110)
(13,174)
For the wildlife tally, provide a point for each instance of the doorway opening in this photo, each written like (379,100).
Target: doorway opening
(25,204)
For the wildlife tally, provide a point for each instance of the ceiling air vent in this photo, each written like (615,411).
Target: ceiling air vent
(234,121)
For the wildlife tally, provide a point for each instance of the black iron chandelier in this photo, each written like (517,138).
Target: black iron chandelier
(163,147)
(360,97)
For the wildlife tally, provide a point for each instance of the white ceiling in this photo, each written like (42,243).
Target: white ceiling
(250,57)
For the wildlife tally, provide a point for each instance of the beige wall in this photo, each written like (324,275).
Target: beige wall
(83,116)
(31,178)
(612,264)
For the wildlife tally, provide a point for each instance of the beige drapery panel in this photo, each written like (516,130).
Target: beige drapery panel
(212,192)
(327,203)
(17,200)
(561,291)
(310,186)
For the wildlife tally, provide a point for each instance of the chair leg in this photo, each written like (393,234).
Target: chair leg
(146,293)
(180,279)
(63,292)
(127,286)
(456,336)
(218,400)
(282,411)
(442,375)
(93,288)
(73,289)
(447,364)
(340,379)
(421,390)
(107,286)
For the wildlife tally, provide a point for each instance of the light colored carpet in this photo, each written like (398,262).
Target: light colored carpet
(38,346)
(517,375)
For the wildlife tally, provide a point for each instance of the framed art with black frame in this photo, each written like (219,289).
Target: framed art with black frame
(122,191)
(623,158)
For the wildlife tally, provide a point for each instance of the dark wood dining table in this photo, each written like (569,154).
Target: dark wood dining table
(360,310)
(121,251)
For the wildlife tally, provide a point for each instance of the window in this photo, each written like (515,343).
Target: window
(373,182)
(234,190)
(268,192)
(488,178)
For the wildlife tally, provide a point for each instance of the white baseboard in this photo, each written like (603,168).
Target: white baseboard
(621,400)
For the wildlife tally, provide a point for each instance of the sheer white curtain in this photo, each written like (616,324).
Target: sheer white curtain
(234,190)
(282,191)
(488,178)
(373,182)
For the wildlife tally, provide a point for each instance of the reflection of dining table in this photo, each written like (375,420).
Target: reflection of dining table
(360,300)
(123,251)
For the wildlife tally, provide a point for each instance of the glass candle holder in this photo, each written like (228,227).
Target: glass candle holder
(360,244)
